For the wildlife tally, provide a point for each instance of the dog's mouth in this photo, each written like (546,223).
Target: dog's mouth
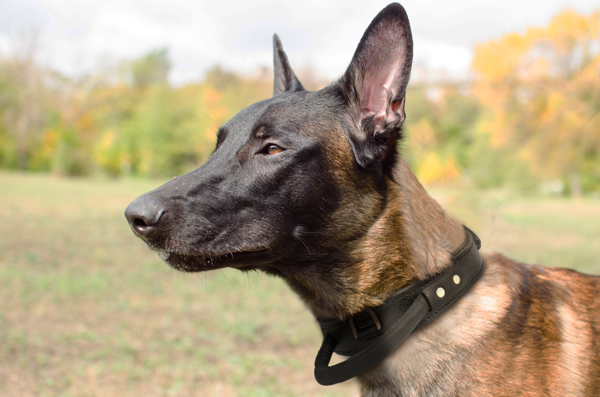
(191,262)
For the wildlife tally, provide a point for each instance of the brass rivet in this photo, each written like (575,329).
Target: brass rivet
(440,292)
(456,279)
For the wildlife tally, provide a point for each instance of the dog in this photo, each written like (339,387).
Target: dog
(310,187)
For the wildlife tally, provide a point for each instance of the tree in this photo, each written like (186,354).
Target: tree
(543,92)
(23,102)
(439,131)
(151,69)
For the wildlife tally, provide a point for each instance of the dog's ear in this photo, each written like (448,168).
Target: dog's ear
(374,86)
(285,79)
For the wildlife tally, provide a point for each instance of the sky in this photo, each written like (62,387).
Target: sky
(76,37)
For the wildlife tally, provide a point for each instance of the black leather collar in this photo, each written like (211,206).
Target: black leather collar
(369,336)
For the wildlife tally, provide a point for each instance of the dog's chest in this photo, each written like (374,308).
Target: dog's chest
(442,358)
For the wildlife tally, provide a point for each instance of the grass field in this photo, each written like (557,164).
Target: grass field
(87,310)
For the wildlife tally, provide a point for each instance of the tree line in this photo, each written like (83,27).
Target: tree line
(126,120)
(529,114)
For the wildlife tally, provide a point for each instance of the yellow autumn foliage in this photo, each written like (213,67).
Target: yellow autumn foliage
(434,169)
(542,89)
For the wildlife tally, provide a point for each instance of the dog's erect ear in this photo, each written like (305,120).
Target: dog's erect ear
(374,86)
(285,79)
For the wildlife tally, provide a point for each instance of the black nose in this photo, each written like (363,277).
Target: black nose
(144,215)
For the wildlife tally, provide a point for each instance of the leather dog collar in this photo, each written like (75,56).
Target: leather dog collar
(369,336)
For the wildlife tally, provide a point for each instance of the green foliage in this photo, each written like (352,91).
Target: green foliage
(166,146)
(590,173)
(8,150)
(151,69)
(128,121)
(8,101)
(440,131)
(68,154)
(69,158)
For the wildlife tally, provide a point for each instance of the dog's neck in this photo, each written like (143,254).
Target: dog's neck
(412,239)
(431,233)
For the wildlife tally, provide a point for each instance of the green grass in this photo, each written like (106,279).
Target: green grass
(87,310)
(549,231)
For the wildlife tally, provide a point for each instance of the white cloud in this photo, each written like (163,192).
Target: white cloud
(441,55)
(4,44)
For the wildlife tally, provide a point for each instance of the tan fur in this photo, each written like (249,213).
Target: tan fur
(410,239)
(431,232)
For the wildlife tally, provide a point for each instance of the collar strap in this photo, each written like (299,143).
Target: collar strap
(369,336)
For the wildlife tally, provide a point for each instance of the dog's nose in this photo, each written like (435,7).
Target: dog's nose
(144,215)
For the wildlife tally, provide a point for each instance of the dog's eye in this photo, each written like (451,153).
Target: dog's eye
(273,149)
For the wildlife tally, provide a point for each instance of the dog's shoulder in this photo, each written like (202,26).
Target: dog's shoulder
(536,303)
(544,283)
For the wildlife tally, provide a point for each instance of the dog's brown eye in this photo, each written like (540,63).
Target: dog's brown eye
(274,149)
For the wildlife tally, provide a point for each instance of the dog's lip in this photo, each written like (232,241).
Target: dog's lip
(193,261)
(209,255)
(164,255)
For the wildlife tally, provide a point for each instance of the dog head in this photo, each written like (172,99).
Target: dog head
(295,180)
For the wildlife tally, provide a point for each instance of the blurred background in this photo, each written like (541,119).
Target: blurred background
(103,101)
